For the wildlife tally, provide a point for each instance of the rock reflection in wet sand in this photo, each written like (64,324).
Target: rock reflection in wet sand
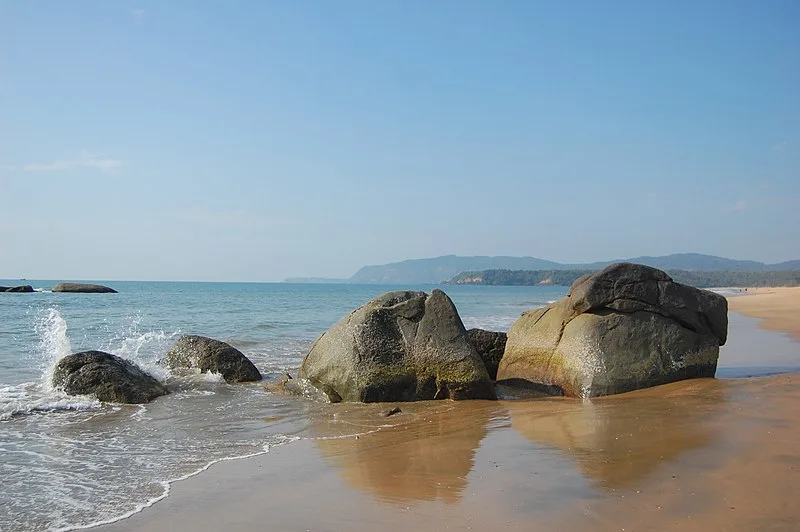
(617,440)
(424,453)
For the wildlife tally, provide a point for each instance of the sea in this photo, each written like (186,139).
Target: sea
(71,462)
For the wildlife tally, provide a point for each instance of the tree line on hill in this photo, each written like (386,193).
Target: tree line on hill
(699,279)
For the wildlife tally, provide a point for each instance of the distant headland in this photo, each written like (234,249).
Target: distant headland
(449,268)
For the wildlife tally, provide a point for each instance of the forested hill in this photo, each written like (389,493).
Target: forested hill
(700,279)
(438,269)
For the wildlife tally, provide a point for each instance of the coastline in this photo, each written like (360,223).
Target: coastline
(778,308)
(618,463)
(705,453)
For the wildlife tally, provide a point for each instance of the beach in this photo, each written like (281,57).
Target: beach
(716,454)
(777,307)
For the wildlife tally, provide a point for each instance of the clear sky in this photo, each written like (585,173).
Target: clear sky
(257,140)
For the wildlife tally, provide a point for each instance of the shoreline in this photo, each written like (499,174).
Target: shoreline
(777,308)
(686,454)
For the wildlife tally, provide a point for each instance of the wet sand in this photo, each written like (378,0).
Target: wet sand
(705,454)
(779,308)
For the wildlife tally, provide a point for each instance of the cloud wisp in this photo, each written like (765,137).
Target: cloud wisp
(740,205)
(84,160)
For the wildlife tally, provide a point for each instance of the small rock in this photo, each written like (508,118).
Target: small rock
(207,354)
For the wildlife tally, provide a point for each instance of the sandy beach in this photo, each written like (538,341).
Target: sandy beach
(779,308)
(704,454)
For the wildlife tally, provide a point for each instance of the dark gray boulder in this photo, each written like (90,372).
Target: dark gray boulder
(401,346)
(490,345)
(24,288)
(110,378)
(625,327)
(207,354)
(83,288)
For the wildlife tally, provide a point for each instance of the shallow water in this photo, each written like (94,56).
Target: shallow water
(69,462)
(703,454)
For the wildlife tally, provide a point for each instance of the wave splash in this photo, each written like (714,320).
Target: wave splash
(141,347)
(53,345)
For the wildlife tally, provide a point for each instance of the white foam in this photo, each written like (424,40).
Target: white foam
(28,398)
(167,486)
(54,343)
(144,348)
(348,436)
(211,376)
(492,323)
(728,291)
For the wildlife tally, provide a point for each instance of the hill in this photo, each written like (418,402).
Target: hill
(700,279)
(315,280)
(439,269)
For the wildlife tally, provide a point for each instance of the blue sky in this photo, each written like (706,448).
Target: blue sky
(240,140)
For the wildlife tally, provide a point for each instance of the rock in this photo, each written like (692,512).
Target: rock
(401,346)
(298,387)
(111,378)
(626,327)
(23,288)
(212,355)
(490,345)
(83,288)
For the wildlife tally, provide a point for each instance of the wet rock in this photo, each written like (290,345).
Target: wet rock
(401,346)
(626,327)
(24,288)
(490,345)
(110,378)
(207,354)
(83,288)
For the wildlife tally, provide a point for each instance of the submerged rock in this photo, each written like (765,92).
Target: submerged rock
(83,288)
(207,354)
(490,345)
(297,387)
(401,346)
(110,378)
(626,327)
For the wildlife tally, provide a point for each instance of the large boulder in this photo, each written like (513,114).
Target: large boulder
(626,327)
(83,288)
(24,288)
(110,378)
(207,354)
(401,346)
(490,346)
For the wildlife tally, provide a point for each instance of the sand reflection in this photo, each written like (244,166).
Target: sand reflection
(426,454)
(618,440)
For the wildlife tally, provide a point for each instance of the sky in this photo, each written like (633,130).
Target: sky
(257,140)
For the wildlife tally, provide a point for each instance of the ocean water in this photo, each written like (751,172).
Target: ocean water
(71,462)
